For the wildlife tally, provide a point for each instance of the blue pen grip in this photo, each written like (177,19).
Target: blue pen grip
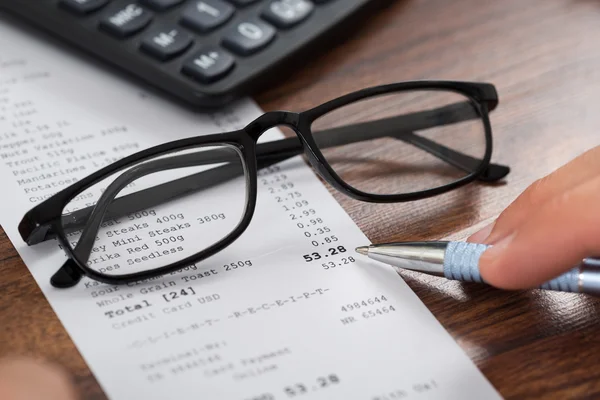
(568,282)
(461,263)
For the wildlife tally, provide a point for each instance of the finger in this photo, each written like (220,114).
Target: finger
(551,241)
(24,379)
(481,235)
(581,169)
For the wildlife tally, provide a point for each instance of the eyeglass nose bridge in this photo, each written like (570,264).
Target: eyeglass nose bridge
(272,119)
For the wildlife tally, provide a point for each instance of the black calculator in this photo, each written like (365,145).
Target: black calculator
(205,52)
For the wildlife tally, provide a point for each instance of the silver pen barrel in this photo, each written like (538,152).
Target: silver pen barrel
(588,279)
(425,257)
(460,261)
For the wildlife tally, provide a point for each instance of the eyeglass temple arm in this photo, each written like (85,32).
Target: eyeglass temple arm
(270,153)
(402,127)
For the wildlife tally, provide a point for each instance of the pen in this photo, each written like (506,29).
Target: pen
(460,261)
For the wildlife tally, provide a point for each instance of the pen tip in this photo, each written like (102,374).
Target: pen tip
(364,250)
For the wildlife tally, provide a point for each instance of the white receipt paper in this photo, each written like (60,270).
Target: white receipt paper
(289,311)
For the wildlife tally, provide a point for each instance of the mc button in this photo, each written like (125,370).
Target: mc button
(127,20)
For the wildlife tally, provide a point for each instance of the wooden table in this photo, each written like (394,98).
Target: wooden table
(544,58)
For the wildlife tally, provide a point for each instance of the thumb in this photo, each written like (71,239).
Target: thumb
(552,240)
(24,379)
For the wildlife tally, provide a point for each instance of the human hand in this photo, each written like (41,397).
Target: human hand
(24,379)
(547,230)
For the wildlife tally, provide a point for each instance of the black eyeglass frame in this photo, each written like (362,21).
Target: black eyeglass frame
(45,218)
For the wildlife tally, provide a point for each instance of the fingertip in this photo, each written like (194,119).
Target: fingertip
(52,381)
(482,234)
(492,268)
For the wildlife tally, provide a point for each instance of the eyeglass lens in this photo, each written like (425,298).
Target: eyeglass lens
(133,221)
(399,132)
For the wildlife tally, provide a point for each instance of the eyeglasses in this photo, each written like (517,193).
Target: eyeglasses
(393,143)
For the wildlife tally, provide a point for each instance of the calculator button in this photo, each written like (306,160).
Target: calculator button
(164,44)
(161,5)
(248,37)
(287,13)
(206,15)
(242,2)
(209,65)
(126,20)
(83,6)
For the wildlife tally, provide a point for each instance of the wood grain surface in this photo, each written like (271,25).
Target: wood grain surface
(544,58)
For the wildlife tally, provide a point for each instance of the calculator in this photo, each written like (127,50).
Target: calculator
(204,52)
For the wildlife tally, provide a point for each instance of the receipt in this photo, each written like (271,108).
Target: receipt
(287,311)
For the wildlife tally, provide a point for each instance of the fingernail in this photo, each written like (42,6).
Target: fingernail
(482,234)
(494,253)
